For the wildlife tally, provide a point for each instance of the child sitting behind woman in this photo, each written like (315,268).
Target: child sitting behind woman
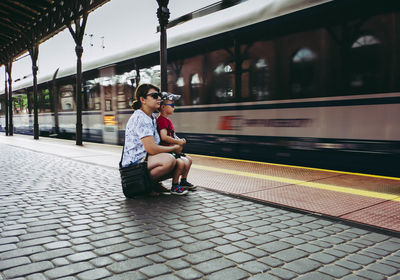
(168,137)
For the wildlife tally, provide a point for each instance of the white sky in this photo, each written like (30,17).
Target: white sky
(122,23)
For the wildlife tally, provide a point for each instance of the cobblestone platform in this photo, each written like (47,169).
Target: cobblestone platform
(65,219)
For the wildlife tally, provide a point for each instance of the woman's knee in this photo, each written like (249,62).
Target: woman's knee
(164,161)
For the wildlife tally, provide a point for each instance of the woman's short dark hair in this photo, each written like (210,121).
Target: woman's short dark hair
(141,91)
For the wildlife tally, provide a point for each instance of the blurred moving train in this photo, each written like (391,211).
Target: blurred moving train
(314,83)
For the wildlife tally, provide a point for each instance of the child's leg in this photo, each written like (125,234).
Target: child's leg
(188,163)
(184,183)
(176,188)
(179,168)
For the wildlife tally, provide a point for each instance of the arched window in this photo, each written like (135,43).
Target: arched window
(223,74)
(364,64)
(259,80)
(195,85)
(302,73)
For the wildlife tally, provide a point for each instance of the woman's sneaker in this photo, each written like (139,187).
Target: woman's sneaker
(178,190)
(187,185)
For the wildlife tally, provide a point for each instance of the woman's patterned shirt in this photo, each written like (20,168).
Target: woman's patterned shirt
(139,126)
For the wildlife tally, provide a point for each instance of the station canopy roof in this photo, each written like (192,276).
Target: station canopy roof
(24,23)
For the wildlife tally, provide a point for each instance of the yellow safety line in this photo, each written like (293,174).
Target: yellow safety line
(300,167)
(372,194)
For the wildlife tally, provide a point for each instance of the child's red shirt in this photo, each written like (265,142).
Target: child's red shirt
(165,123)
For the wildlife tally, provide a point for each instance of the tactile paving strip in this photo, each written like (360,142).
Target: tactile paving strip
(273,183)
(365,183)
(265,169)
(384,215)
(315,200)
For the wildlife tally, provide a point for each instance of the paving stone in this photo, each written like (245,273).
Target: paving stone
(98,273)
(124,248)
(282,273)
(8,240)
(229,273)
(211,266)
(363,260)
(101,261)
(323,258)
(131,275)
(118,257)
(264,276)
(177,264)
(21,252)
(289,255)
(36,276)
(383,269)
(27,269)
(275,246)
(60,261)
(7,247)
(130,264)
(198,246)
(254,267)
(243,244)
(370,275)
(335,271)
(348,264)
(227,249)
(57,273)
(6,264)
(353,277)
(240,257)
(189,274)
(202,256)
(57,245)
(256,252)
(155,270)
(84,256)
(302,266)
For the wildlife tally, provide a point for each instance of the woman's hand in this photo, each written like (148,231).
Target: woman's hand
(183,141)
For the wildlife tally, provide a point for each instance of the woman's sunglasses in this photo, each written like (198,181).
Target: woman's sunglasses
(155,95)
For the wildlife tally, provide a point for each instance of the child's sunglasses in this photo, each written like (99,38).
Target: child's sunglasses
(172,105)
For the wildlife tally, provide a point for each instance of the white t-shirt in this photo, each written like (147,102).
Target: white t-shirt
(139,126)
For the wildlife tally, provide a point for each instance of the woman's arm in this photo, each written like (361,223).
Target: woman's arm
(164,137)
(152,148)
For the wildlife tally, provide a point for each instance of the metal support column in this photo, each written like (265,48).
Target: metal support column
(78,37)
(10,103)
(6,95)
(34,52)
(163,16)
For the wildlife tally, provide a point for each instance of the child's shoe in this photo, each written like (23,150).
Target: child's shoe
(189,186)
(178,190)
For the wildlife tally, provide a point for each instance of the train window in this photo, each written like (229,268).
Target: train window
(44,103)
(123,95)
(259,79)
(302,73)
(108,97)
(364,64)
(92,96)
(67,98)
(224,82)
(151,75)
(20,104)
(195,88)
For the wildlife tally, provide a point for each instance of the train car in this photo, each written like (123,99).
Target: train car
(314,83)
